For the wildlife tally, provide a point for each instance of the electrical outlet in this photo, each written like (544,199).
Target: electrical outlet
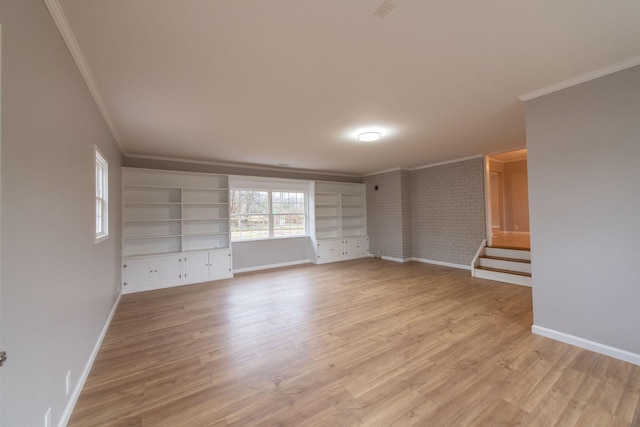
(67,383)
(47,418)
(516,227)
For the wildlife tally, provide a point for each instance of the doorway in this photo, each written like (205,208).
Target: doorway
(508,199)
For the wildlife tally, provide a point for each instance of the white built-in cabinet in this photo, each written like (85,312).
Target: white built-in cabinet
(175,228)
(340,221)
(331,250)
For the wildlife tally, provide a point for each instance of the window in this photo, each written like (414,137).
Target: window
(102,196)
(267,214)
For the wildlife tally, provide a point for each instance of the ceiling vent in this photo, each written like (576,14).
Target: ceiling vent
(384,9)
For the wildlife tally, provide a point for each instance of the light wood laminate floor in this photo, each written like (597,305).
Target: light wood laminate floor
(509,239)
(358,343)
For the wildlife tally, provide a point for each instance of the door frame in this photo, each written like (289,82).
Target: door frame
(487,198)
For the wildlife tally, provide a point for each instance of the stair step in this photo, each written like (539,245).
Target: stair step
(503,276)
(506,264)
(498,258)
(499,270)
(519,254)
(515,248)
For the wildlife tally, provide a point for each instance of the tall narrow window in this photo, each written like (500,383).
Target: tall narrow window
(102,196)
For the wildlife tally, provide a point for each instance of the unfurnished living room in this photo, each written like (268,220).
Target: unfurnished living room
(343,213)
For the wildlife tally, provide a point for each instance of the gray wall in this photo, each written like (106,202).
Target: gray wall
(57,286)
(448,212)
(435,213)
(384,214)
(268,253)
(405,200)
(583,152)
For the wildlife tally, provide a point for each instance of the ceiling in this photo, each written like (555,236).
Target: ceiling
(510,156)
(291,82)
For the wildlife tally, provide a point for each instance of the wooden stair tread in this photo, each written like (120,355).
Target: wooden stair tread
(515,248)
(527,261)
(499,270)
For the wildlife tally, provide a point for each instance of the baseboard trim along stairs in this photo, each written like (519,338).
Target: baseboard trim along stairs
(504,264)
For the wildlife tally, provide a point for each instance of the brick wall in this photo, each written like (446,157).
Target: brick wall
(384,214)
(407,237)
(448,211)
(435,213)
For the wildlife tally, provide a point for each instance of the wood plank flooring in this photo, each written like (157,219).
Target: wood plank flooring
(358,343)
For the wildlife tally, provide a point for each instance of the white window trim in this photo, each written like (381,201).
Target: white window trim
(252,183)
(271,215)
(99,158)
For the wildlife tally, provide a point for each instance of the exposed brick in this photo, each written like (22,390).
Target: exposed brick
(434,213)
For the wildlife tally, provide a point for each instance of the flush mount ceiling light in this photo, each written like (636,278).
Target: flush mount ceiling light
(369,136)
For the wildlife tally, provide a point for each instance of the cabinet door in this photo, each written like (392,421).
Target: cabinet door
(355,247)
(330,249)
(219,263)
(138,273)
(361,247)
(196,266)
(166,269)
(351,247)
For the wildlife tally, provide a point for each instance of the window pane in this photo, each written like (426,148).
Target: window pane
(289,225)
(249,202)
(98,180)
(252,219)
(98,216)
(249,227)
(288,202)
(102,195)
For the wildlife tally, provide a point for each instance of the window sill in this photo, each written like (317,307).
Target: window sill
(101,238)
(262,239)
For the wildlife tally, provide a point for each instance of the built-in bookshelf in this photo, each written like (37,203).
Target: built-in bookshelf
(166,211)
(340,210)
(173,213)
(340,218)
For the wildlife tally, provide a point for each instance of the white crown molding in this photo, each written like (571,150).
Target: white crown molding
(384,171)
(462,159)
(238,165)
(614,68)
(65,30)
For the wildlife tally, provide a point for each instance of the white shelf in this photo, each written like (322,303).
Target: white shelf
(205,234)
(339,210)
(159,236)
(168,212)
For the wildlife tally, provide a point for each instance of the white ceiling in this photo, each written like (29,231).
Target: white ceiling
(289,82)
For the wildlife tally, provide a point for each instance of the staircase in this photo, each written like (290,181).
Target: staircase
(504,264)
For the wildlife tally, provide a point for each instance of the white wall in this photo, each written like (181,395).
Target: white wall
(584,188)
(57,286)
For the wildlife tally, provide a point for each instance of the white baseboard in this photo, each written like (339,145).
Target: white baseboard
(270,266)
(617,353)
(446,264)
(390,258)
(68,410)
(427,261)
